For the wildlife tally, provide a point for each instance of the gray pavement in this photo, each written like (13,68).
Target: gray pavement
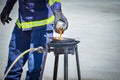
(96,24)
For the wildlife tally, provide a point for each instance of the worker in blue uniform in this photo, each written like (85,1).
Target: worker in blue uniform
(35,20)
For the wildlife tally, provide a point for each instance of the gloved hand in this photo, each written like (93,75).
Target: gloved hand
(60,17)
(4,16)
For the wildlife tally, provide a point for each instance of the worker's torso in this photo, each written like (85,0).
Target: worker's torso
(32,10)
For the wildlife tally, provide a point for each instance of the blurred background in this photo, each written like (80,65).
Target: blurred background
(96,23)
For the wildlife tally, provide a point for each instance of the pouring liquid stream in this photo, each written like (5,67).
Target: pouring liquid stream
(60,32)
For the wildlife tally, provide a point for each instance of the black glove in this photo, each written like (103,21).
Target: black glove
(60,17)
(4,16)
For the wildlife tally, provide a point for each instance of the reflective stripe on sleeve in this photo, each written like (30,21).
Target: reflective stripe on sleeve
(51,2)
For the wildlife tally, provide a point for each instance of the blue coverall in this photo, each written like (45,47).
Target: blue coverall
(33,36)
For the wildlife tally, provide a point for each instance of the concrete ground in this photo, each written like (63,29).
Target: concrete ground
(96,24)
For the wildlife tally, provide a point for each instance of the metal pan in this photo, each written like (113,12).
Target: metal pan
(62,40)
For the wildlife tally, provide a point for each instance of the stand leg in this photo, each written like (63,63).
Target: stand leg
(66,65)
(77,61)
(55,67)
(43,65)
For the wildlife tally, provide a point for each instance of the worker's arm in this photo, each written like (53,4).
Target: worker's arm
(4,16)
(57,10)
(56,5)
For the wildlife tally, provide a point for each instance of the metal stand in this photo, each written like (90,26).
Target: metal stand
(63,48)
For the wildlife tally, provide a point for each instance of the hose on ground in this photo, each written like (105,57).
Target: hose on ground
(39,49)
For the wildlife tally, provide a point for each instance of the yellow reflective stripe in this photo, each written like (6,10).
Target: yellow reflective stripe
(51,2)
(35,23)
(18,23)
